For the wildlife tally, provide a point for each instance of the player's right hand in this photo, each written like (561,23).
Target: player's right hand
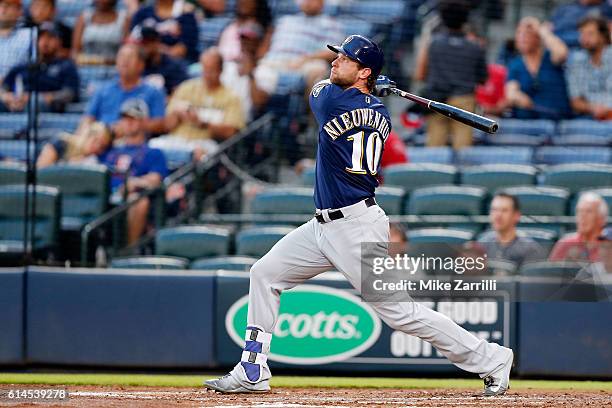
(383,86)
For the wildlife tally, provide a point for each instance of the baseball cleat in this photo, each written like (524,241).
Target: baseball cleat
(498,382)
(228,384)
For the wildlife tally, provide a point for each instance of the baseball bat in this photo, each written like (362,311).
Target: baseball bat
(460,115)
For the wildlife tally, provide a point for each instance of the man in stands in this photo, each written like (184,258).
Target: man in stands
(589,70)
(504,242)
(135,166)
(565,17)
(44,11)
(14,42)
(161,70)
(107,100)
(57,78)
(202,110)
(299,45)
(583,245)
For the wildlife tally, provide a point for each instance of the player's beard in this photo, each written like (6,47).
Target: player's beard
(343,82)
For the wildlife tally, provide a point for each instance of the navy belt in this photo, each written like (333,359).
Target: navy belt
(337,214)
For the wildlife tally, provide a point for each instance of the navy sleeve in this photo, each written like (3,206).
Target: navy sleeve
(139,16)
(189,35)
(323,99)
(70,79)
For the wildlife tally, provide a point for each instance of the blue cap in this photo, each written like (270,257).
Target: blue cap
(362,50)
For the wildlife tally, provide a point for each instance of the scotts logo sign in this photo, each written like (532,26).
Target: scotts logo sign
(316,325)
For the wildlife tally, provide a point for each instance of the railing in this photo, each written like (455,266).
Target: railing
(192,171)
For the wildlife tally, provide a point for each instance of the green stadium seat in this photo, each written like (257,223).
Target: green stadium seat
(541,235)
(446,200)
(540,200)
(605,193)
(12,173)
(85,192)
(149,262)
(439,235)
(46,227)
(192,241)
(284,200)
(579,176)
(257,241)
(561,269)
(230,263)
(493,176)
(390,199)
(415,175)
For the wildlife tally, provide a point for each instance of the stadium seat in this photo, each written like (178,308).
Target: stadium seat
(61,121)
(586,126)
(446,200)
(230,263)
(442,155)
(540,200)
(478,155)
(605,193)
(515,139)
(85,191)
(356,26)
(12,173)
(580,176)
(307,178)
(502,267)
(192,241)
(533,127)
(375,11)
(46,228)
(541,235)
(552,155)
(10,124)
(439,235)
(552,269)
(390,199)
(492,176)
(284,200)
(149,262)
(414,175)
(257,241)
(582,139)
(209,30)
(15,149)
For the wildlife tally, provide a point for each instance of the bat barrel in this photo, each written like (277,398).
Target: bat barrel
(463,116)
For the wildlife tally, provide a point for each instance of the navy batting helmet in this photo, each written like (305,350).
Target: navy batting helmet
(362,50)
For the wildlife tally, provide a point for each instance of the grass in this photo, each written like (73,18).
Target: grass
(165,380)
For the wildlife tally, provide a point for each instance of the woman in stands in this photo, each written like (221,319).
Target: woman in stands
(99,32)
(87,147)
(247,13)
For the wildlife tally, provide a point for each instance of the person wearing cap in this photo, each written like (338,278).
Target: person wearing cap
(238,75)
(298,46)
(14,42)
(583,245)
(44,11)
(106,101)
(57,78)
(202,109)
(161,70)
(135,166)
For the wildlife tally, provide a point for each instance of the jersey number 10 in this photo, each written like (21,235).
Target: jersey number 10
(373,151)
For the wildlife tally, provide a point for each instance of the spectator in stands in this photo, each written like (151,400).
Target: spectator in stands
(451,66)
(591,218)
(14,42)
(394,151)
(299,45)
(161,70)
(565,18)
(87,147)
(176,25)
(41,11)
(107,100)
(589,70)
(491,95)
(536,86)
(202,109)
(99,32)
(135,166)
(398,239)
(504,242)
(57,78)
(248,13)
(238,74)
(207,8)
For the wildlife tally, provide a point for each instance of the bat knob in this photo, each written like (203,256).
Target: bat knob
(383,86)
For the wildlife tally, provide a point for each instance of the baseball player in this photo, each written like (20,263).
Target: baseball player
(353,127)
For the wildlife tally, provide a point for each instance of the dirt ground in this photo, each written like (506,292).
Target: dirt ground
(98,396)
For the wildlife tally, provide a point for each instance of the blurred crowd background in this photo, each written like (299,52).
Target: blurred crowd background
(176,133)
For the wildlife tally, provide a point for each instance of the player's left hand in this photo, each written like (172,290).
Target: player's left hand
(383,86)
